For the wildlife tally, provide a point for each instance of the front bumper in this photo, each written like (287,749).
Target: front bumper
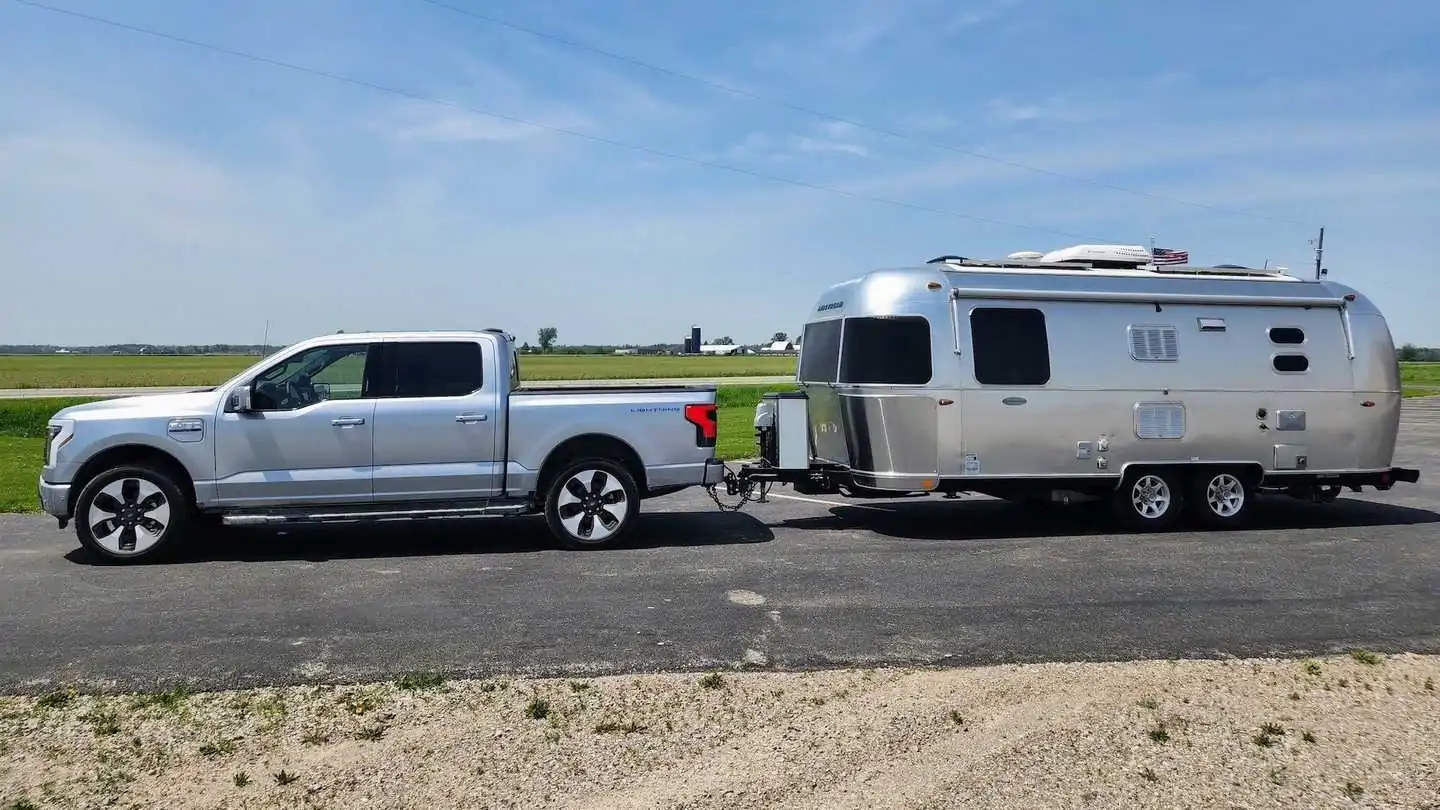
(55,499)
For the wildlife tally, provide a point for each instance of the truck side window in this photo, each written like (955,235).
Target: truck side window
(1010,345)
(886,351)
(442,368)
(321,373)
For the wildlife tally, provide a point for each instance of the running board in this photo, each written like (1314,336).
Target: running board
(443,513)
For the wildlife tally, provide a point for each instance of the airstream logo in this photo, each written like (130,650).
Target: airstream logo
(829,427)
(831,305)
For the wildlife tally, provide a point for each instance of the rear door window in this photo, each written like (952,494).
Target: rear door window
(442,368)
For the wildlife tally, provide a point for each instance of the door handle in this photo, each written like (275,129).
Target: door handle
(472,417)
(1014,400)
(345,421)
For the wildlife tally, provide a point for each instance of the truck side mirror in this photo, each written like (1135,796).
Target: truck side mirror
(240,400)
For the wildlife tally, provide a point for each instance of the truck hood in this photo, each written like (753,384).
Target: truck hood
(192,403)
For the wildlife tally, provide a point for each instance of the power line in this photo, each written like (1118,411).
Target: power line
(839,119)
(548,127)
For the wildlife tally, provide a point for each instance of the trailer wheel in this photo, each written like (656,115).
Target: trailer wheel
(591,503)
(1220,498)
(131,514)
(1150,500)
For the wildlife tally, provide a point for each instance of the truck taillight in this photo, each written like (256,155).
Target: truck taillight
(703,417)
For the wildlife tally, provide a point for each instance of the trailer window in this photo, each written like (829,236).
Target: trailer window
(886,351)
(820,352)
(1010,345)
(1290,363)
(1286,334)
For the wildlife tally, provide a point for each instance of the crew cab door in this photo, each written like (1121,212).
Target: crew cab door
(437,417)
(308,436)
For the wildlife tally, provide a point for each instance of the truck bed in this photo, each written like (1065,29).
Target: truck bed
(608,389)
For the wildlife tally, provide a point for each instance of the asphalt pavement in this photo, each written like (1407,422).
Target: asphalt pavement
(791,584)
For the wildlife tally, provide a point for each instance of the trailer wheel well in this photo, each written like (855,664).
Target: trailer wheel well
(590,444)
(1251,472)
(132,454)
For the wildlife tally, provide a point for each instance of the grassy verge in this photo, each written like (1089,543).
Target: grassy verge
(1339,731)
(126,371)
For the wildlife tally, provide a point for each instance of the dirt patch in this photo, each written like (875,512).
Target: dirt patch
(1333,732)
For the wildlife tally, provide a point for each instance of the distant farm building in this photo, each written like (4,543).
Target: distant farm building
(722,349)
(780,347)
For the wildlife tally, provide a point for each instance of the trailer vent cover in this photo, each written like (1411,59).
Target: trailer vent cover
(1154,343)
(1160,420)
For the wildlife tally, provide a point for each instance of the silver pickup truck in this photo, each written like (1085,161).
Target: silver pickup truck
(374,426)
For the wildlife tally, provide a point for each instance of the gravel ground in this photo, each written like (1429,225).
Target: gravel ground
(1351,731)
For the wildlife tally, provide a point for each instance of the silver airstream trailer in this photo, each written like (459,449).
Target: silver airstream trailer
(1169,391)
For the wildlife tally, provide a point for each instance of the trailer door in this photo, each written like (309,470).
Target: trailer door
(1008,409)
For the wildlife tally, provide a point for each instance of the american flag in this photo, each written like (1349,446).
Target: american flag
(1168,256)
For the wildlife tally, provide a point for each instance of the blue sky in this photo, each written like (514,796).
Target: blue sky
(153,191)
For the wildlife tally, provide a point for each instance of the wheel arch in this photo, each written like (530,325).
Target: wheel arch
(1251,471)
(128,454)
(590,445)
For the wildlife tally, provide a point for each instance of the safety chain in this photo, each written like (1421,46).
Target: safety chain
(746,492)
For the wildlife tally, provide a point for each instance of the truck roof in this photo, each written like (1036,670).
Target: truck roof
(345,337)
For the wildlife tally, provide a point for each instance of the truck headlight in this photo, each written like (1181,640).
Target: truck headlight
(51,431)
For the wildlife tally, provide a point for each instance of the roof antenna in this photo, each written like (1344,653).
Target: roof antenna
(1319,252)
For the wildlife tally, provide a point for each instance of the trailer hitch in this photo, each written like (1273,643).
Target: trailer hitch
(743,485)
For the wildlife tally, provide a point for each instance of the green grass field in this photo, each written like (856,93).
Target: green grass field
(126,371)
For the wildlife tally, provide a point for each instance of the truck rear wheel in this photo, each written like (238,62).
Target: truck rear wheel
(132,513)
(591,503)
(1150,500)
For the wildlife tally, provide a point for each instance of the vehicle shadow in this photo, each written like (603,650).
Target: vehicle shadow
(989,519)
(529,534)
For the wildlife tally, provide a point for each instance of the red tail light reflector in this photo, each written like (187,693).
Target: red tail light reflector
(707,426)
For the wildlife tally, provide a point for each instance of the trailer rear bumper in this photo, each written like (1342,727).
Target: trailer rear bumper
(1354,481)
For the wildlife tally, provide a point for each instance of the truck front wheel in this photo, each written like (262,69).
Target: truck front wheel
(591,503)
(131,514)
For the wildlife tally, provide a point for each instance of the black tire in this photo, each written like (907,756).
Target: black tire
(1220,498)
(570,511)
(153,514)
(1149,500)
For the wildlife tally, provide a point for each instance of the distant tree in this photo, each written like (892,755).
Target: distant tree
(547,336)
(780,337)
(1410,353)
(725,341)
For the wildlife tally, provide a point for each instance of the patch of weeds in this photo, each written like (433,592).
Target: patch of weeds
(613,727)
(579,686)
(1294,695)
(58,699)
(105,722)
(1352,791)
(23,803)
(712,681)
(1365,657)
(169,700)
(419,681)
(372,732)
(815,701)
(1267,735)
(1148,703)
(1343,682)
(241,779)
(537,709)
(1149,775)
(1278,777)
(956,717)
(1308,736)
(285,778)
(359,703)
(1159,734)
(315,737)
(218,748)
(492,686)
(1429,684)
(1312,668)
